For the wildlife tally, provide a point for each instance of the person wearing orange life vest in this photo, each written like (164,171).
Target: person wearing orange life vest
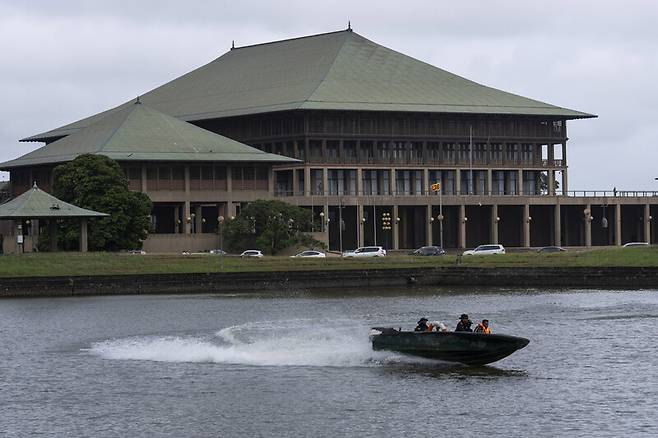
(483,327)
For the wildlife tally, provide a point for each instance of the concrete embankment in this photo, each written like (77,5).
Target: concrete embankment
(292,281)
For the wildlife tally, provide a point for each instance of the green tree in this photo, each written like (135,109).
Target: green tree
(270,226)
(97,183)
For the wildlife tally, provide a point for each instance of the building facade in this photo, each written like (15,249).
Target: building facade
(387,150)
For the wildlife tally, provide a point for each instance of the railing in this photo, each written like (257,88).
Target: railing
(570,193)
(433,161)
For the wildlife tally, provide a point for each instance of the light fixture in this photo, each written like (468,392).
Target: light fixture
(465,219)
(322,214)
(497,219)
(440,217)
(431,219)
(220,219)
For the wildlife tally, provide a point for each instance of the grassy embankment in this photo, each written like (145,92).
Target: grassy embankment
(61,264)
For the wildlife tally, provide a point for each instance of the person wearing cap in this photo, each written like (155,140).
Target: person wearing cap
(422,326)
(464,324)
(483,327)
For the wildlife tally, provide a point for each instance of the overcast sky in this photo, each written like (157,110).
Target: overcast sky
(62,61)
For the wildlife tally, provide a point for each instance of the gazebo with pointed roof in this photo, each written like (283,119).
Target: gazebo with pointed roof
(35,204)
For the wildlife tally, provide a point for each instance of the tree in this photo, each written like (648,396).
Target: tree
(270,226)
(96,182)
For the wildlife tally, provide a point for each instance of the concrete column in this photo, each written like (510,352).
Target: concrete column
(618,224)
(83,235)
(395,222)
(428,225)
(494,223)
(359,182)
(551,182)
(325,181)
(519,182)
(144,186)
(489,182)
(462,226)
(526,225)
(426,182)
(458,181)
(307,181)
(588,226)
(557,224)
(647,223)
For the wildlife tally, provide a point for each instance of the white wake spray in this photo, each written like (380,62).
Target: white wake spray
(280,343)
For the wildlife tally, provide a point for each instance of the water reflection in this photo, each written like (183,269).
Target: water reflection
(445,370)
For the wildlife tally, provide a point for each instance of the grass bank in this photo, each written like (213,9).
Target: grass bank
(74,264)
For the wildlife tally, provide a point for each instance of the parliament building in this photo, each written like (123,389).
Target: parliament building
(383,148)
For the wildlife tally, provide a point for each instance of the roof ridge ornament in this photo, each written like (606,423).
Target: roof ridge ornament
(232,44)
(34,185)
(349,26)
(138,101)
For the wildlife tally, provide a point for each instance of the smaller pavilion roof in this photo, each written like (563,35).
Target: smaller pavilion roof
(139,133)
(37,204)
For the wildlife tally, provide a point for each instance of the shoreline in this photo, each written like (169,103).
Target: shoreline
(309,280)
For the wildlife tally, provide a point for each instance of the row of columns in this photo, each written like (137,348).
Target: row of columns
(494,221)
(426,180)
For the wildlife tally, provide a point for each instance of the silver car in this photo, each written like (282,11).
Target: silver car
(486,250)
(366,251)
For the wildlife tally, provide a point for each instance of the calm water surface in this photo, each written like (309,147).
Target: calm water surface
(301,365)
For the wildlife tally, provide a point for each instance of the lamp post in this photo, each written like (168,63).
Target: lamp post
(322,221)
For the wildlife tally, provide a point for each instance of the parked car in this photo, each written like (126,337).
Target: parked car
(429,251)
(548,249)
(310,254)
(486,250)
(251,253)
(366,251)
(635,244)
(217,251)
(137,251)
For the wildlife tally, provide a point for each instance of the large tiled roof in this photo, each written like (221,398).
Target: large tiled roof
(331,71)
(137,132)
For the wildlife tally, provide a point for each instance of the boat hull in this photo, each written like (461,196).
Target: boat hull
(462,347)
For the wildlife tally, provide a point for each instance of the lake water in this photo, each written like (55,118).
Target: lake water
(301,365)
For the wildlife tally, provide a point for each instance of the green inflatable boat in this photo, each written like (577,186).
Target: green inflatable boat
(462,347)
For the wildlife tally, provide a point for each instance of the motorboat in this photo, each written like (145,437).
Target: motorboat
(463,347)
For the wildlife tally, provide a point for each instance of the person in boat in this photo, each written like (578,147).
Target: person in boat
(464,324)
(483,327)
(423,326)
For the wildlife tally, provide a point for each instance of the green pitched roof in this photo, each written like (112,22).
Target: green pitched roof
(136,132)
(332,71)
(35,203)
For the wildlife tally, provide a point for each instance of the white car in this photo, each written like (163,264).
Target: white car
(366,251)
(251,253)
(635,245)
(310,254)
(486,250)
